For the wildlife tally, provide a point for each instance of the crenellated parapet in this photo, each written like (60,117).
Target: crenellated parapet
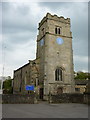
(55,18)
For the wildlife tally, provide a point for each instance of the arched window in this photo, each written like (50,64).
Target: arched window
(58,74)
(56,31)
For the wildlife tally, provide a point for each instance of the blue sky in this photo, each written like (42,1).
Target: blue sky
(19,31)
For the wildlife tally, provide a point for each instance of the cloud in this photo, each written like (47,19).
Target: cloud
(19,57)
(54,6)
(78,13)
(19,27)
(79,58)
(16,19)
(81,63)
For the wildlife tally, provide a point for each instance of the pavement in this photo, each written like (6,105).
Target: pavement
(0,111)
(0,105)
(45,110)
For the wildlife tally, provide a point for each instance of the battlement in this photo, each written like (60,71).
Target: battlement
(54,17)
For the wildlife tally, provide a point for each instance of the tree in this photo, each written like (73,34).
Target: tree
(7,86)
(82,75)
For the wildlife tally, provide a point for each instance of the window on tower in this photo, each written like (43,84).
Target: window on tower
(58,74)
(57,30)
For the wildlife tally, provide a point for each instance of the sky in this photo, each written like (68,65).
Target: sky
(19,30)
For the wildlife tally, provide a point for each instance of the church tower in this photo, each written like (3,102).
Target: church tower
(54,50)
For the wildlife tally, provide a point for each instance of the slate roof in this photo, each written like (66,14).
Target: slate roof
(81,82)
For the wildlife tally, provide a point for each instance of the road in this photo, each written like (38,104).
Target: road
(45,110)
(0,91)
(0,105)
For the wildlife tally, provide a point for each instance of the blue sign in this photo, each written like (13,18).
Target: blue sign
(30,87)
(59,41)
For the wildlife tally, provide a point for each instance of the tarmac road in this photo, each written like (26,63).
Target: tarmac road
(45,110)
(0,111)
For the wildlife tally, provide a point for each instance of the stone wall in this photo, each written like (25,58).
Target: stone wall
(87,98)
(25,75)
(67,98)
(31,99)
(18,99)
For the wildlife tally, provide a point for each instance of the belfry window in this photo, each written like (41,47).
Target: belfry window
(57,30)
(58,74)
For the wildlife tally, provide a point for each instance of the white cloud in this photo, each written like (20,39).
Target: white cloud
(20,23)
(79,58)
(1,69)
(0,37)
(20,1)
(81,63)
(84,71)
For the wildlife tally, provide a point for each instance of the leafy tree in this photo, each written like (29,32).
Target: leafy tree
(7,86)
(82,75)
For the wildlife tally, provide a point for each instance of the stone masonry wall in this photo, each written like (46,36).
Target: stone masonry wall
(67,98)
(18,99)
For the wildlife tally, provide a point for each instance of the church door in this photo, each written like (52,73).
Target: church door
(41,93)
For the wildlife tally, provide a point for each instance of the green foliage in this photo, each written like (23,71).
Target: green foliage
(7,86)
(82,75)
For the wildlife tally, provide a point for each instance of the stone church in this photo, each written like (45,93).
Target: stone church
(52,71)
